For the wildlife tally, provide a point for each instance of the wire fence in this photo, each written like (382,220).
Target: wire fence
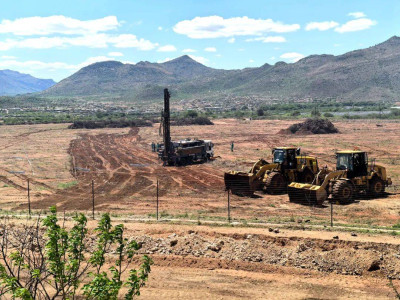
(195,198)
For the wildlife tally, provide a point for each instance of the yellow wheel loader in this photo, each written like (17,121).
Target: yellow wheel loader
(273,178)
(353,175)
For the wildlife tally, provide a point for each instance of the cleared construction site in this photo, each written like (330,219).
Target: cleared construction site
(309,207)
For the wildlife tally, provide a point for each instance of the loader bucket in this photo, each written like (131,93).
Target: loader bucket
(240,183)
(306,193)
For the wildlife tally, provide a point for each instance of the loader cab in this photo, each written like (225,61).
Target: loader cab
(355,162)
(286,157)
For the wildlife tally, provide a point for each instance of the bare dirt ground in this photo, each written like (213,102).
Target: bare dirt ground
(202,262)
(125,171)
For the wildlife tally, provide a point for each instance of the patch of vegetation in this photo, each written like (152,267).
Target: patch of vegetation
(122,123)
(328,115)
(192,121)
(66,185)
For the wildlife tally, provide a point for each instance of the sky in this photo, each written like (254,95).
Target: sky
(54,39)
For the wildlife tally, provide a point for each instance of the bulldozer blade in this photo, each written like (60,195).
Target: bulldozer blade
(306,193)
(239,183)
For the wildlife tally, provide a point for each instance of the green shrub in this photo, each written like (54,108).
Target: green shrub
(52,265)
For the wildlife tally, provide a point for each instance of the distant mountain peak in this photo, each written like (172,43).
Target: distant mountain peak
(393,40)
(13,83)
(183,59)
(106,64)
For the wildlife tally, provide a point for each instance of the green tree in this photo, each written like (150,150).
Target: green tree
(191,114)
(52,264)
(315,113)
(260,112)
(296,113)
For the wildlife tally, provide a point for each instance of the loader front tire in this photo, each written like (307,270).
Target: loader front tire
(343,192)
(307,176)
(376,187)
(275,184)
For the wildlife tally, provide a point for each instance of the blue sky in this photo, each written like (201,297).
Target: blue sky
(53,39)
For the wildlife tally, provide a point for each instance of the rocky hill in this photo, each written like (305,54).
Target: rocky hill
(366,74)
(13,83)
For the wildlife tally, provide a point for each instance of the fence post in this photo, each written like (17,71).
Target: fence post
(29,199)
(157,199)
(93,199)
(229,206)
(73,165)
(331,214)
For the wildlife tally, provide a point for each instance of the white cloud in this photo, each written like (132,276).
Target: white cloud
(292,56)
(268,39)
(160,28)
(356,25)
(92,41)
(272,58)
(199,59)
(131,41)
(241,49)
(8,57)
(167,48)
(216,26)
(357,14)
(115,54)
(188,50)
(231,40)
(33,65)
(218,55)
(57,25)
(210,49)
(251,61)
(321,26)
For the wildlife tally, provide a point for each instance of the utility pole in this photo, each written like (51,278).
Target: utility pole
(157,199)
(229,206)
(93,199)
(29,199)
(166,127)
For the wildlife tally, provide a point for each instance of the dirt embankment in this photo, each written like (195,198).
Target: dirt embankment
(256,252)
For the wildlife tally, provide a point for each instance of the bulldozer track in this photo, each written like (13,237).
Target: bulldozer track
(124,168)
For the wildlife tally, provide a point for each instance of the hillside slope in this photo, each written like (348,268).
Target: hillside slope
(366,74)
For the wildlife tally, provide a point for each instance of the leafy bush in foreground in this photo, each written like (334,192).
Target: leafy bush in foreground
(51,263)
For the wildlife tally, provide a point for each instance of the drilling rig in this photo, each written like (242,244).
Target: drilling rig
(181,152)
(167,151)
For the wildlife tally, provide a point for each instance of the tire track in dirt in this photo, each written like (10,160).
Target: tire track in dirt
(125,171)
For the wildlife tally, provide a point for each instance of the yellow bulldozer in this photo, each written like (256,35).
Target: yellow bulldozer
(273,178)
(353,175)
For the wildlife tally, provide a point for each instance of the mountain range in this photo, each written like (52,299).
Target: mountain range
(14,83)
(371,74)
